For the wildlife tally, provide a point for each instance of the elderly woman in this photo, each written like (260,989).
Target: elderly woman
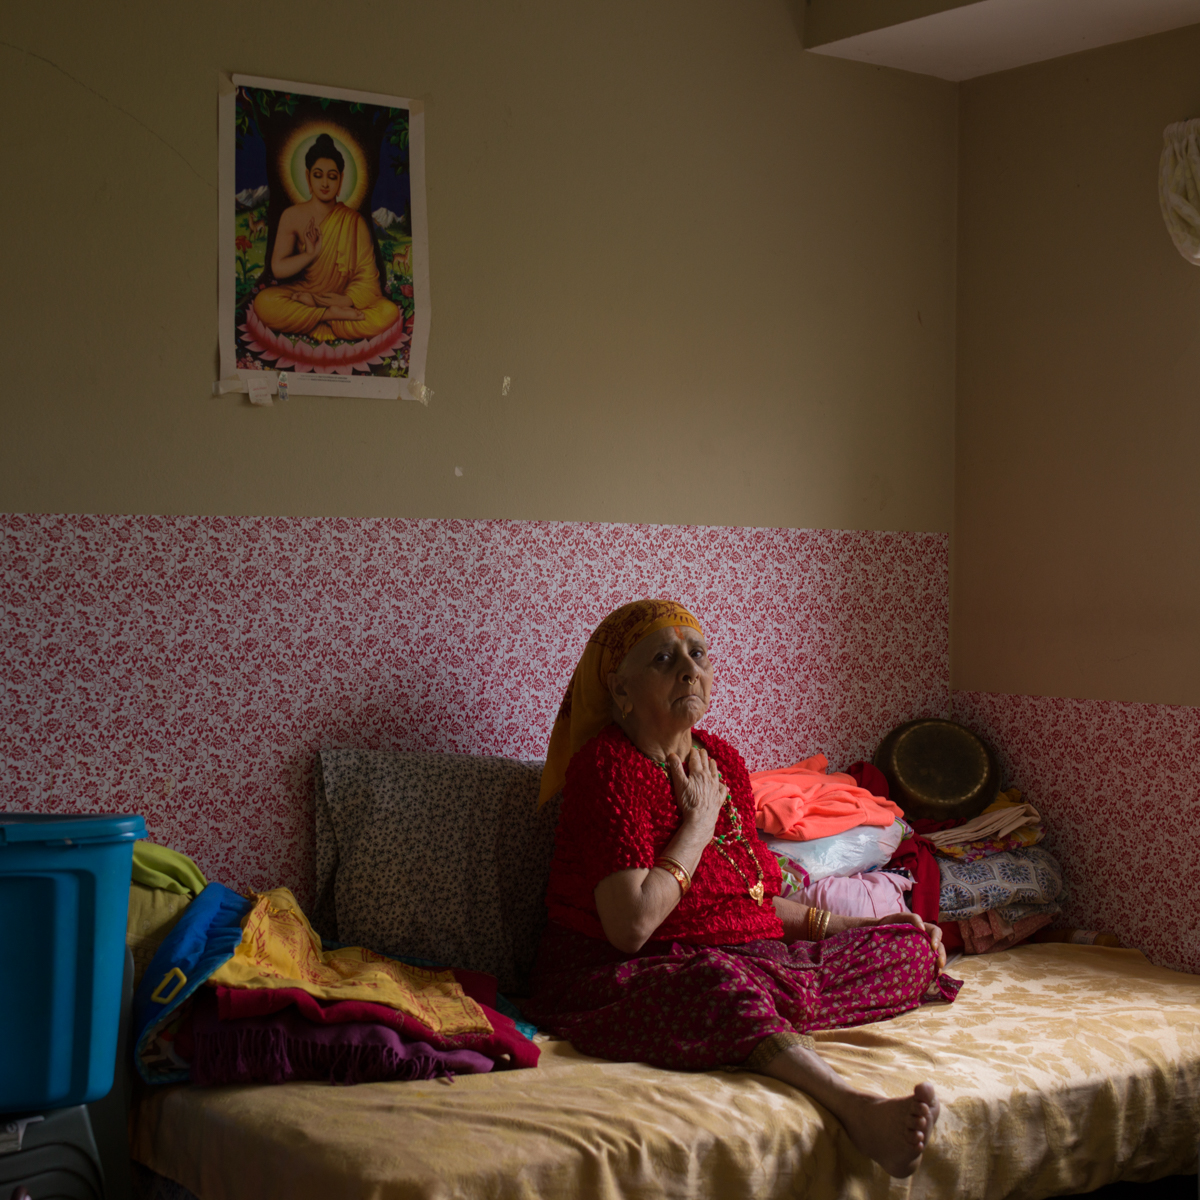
(668,942)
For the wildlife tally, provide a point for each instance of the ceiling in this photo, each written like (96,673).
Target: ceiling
(977,38)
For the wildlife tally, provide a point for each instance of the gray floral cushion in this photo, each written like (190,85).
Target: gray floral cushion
(1009,880)
(436,856)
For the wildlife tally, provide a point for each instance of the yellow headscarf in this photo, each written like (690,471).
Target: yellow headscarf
(587,707)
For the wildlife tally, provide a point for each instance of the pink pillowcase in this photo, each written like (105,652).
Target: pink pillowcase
(876,894)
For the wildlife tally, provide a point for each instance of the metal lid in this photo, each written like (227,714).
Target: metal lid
(938,770)
(25,827)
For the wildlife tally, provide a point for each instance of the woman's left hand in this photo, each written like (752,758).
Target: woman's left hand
(931,931)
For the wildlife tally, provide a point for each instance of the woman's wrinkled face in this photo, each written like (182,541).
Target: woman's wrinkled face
(666,679)
(324,180)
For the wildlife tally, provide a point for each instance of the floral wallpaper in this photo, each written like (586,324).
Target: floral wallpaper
(1118,786)
(190,668)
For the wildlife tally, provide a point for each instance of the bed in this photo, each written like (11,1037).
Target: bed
(1061,1068)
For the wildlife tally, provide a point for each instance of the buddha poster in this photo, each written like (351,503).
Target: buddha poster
(324,278)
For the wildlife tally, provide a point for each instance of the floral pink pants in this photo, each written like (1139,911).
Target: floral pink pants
(698,1007)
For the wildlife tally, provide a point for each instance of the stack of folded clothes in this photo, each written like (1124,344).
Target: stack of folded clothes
(242,990)
(832,836)
(843,845)
(997,884)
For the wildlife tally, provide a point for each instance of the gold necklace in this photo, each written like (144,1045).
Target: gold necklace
(755,890)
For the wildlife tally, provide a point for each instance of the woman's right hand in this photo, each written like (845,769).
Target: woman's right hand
(633,903)
(699,791)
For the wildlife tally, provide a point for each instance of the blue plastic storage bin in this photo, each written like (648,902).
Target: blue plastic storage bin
(64,900)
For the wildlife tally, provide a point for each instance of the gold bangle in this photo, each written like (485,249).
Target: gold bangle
(668,858)
(818,923)
(678,870)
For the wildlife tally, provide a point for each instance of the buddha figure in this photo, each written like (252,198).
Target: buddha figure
(324,250)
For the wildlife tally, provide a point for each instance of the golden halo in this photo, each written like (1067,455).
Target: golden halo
(292,169)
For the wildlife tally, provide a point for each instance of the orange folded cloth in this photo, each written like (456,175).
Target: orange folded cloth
(802,802)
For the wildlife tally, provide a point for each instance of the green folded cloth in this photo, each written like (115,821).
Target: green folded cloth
(158,867)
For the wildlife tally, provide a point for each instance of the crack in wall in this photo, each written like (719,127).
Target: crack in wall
(124,111)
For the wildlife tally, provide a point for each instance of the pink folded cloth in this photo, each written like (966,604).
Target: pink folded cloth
(875,894)
(990,932)
(804,802)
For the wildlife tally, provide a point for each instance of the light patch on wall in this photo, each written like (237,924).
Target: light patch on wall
(458,471)
(258,384)
(505,386)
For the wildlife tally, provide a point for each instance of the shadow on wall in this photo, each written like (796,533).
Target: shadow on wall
(190,668)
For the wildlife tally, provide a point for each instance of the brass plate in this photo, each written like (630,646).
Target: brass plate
(938,770)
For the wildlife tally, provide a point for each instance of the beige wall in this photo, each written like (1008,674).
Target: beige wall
(719,271)
(1077,526)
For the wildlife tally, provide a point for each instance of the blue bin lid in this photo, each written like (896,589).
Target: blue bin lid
(70,827)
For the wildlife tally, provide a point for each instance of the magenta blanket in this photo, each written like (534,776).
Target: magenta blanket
(505,1044)
(283,1046)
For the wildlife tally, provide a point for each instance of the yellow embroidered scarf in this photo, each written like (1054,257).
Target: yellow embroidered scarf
(279,949)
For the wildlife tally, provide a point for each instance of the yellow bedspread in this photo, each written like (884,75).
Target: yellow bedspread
(1060,1068)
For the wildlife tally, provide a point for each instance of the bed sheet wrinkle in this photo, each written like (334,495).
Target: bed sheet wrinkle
(1061,1068)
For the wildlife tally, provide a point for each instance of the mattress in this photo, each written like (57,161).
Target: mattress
(1060,1068)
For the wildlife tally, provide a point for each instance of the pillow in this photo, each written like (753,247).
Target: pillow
(442,857)
(1015,882)
(847,853)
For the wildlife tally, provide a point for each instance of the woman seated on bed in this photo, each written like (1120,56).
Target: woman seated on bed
(668,942)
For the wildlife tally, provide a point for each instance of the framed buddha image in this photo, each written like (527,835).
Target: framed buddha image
(324,279)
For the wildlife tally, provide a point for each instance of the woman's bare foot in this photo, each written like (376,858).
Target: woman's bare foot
(892,1132)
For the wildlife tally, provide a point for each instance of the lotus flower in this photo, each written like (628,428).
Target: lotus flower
(297,355)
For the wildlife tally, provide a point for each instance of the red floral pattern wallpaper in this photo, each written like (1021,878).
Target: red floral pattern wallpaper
(1118,786)
(190,668)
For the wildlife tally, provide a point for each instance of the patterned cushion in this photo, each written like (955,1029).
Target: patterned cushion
(1012,880)
(436,856)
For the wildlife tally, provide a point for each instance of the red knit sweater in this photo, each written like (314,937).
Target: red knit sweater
(619,812)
